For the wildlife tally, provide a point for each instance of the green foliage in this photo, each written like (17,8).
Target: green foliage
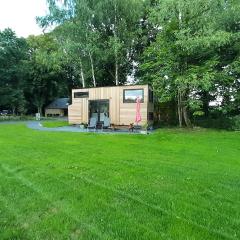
(44,67)
(198,113)
(235,123)
(188,50)
(218,122)
(31,72)
(145,126)
(13,53)
(16,118)
(97,36)
(196,51)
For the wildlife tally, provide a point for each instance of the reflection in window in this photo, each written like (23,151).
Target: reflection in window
(81,94)
(131,95)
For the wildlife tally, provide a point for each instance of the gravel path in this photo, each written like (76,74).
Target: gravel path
(36,125)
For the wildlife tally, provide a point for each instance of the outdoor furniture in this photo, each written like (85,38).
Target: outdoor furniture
(94,115)
(92,124)
(106,123)
(131,127)
(102,117)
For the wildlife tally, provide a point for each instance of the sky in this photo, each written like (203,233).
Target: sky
(19,15)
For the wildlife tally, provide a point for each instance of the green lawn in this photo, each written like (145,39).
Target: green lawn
(170,185)
(54,124)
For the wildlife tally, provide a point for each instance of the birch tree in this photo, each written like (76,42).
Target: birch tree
(120,20)
(76,31)
(112,23)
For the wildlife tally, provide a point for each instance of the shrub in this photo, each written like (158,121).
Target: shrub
(16,118)
(228,123)
(235,123)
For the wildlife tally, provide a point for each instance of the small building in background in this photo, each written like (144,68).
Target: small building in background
(57,108)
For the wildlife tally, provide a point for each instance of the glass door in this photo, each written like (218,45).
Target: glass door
(99,109)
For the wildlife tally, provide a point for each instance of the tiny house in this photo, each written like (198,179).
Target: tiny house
(118,103)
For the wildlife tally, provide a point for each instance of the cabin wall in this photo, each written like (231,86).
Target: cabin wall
(75,114)
(120,113)
(127,111)
(54,112)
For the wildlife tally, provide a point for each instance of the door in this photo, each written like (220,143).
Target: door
(99,109)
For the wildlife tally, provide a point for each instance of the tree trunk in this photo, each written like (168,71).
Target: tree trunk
(183,110)
(180,112)
(93,72)
(13,111)
(116,71)
(206,100)
(186,117)
(40,110)
(82,74)
(116,47)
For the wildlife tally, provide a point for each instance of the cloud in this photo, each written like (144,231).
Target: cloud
(20,16)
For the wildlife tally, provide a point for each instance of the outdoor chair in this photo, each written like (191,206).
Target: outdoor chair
(92,124)
(106,122)
(102,117)
(94,115)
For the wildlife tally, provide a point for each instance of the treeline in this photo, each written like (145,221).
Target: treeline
(188,50)
(31,74)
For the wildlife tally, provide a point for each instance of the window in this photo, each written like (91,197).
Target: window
(150,96)
(81,94)
(150,116)
(131,95)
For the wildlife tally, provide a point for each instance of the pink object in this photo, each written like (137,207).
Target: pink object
(138,113)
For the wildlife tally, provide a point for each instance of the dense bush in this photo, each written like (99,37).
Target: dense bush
(16,118)
(235,123)
(228,123)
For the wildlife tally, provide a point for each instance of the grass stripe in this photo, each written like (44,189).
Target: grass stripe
(50,198)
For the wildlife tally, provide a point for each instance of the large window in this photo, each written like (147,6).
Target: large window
(131,95)
(81,94)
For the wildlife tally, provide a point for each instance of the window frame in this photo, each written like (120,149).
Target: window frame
(85,95)
(124,94)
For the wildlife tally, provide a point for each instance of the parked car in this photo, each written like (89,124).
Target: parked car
(4,112)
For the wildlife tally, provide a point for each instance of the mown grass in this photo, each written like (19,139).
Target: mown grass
(170,185)
(54,124)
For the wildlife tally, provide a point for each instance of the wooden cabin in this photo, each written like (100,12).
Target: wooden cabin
(118,103)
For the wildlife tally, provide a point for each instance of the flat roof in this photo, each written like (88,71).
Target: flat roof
(132,85)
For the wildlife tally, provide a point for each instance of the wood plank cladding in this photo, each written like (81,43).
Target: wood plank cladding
(120,113)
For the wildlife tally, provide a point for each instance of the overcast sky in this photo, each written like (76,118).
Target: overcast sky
(19,15)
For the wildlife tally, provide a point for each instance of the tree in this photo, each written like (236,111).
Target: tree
(103,34)
(44,71)
(186,59)
(13,53)
(120,21)
(76,34)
